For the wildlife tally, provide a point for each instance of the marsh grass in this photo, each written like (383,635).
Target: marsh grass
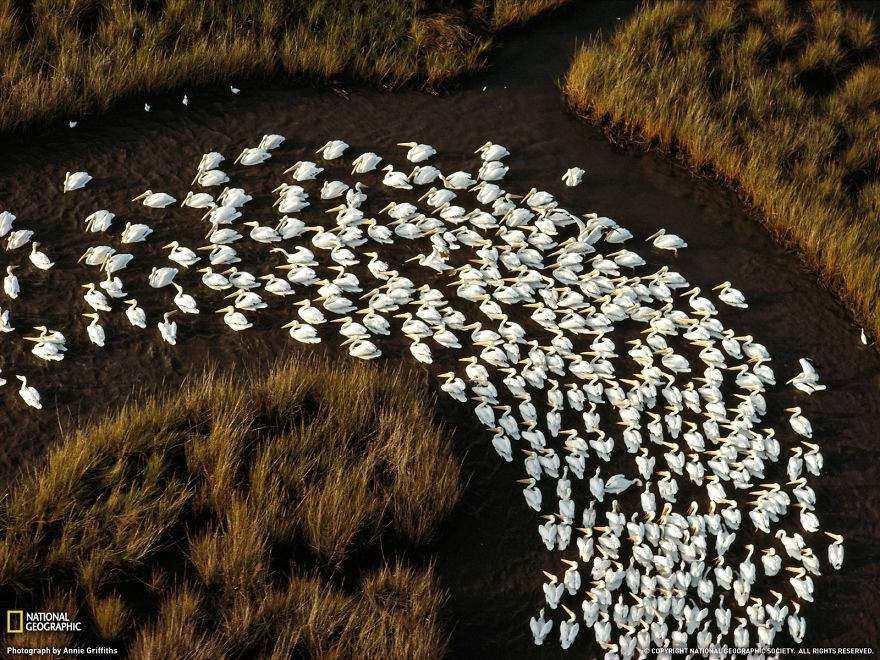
(243,517)
(780,99)
(71,57)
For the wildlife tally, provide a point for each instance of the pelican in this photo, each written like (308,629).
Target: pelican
(18,238)
(210,178)
(95,330)
(800,424)
(271,141)
(235,320)
(416,152)
(29,394)
(136,233)
(395,179)
(185,302)
(98,221)
(198,200)
(10,283)
(155,200)
(39,259)
(490,151)
(573,176)
(95,299)
(253,156)
(161,277)
(210,161)
(6,220)
(76,180)
(458,180)
(332,149)
(364,163)
(136,315)
(304,170)
(808,379)
(362,348)
(302,332)
(664,241)
(168,328)
(731,296)
(181,255)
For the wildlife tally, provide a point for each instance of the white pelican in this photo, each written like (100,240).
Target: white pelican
(362,348)
(808,380)
(116,262)
(271,141)
(95,299)
(420,351)
(18,238)
(417,153)
(155,200)
(458,180)
(136,315)
(304,170)
(492,170)
(210,161)
(76,180)
(800,424)
(198,200)
(161,277)
(6,220)
(168,328)
(730,296)
(181,255)
(95,330)
(573,176)
(395,179)
(332,149)
(235,320)
(210,178)
(262,234)
(136,233)
(215,281)
(234,197)
(5,321)
(364,163)
(302,332)
(185,302)
(309,313)
(663,241)
(29,394)
(10,283)
(490,151)
(98,221)
(253,156)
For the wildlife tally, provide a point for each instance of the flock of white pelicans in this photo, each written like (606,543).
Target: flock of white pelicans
(678,407)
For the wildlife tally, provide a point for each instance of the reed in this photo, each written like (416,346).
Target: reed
(779,99)
(241,517)
(66,58)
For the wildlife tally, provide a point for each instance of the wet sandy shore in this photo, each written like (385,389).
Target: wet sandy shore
(490,556)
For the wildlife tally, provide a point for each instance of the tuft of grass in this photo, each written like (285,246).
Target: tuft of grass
(780,99)
(243,517)
(72,57)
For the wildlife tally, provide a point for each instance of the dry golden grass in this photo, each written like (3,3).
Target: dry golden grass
(780,99)
(241,518)
(70,57)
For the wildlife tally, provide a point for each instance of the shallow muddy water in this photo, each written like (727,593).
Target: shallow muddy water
(490,555)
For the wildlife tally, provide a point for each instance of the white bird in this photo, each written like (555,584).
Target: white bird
(10,283)
(253,156)
(364,163)
(573,176)
(168,328)
(664,241)
(181,255)
(731,296)
(271,141)
(76,180)
(136,315)
(161,277)
(95,330)
(39,259)
(302,332)
(304,170)
(808,379)
(210,178)
(99,221)
(235,320)
(155,200)
(490,151)
(29,394)
(800,424)
(417,153)
(18,238)
(135,233)
(6,220)
(332,149)
(185,302)
(395,179)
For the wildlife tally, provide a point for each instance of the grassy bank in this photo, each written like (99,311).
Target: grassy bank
(780,99)
(63,58)
(242,518)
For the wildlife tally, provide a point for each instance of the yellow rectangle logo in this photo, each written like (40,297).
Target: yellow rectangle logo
(11,617)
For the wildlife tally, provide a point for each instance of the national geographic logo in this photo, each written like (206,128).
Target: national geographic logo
(14,621)
(19,621)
